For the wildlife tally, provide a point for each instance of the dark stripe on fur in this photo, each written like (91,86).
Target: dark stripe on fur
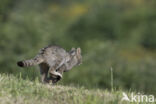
(20,64)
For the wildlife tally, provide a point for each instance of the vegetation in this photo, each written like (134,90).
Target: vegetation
(15,90)
(112,34)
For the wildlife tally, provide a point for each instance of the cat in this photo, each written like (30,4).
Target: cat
(53,60)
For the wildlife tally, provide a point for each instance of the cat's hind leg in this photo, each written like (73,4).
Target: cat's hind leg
(44,69)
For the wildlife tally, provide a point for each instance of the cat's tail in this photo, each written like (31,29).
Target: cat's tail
(31,62)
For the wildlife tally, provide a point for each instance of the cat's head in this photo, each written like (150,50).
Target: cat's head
(76,55)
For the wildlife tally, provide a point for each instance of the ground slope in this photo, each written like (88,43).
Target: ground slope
(15,90)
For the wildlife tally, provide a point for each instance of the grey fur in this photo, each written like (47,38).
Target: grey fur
(54,60)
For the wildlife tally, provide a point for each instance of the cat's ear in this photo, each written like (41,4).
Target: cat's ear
(72,49)
(78,50)
(73,52)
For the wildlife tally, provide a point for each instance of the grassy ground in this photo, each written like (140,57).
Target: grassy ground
(15,90)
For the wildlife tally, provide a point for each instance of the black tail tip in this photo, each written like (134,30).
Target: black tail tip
(20,64)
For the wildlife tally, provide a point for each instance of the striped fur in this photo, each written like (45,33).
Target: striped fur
(54,60)
(30,62)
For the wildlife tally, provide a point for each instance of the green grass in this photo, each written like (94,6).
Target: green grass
(15,90)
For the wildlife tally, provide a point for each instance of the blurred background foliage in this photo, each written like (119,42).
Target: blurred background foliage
(120,34)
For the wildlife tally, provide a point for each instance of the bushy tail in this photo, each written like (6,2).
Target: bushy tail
(26,63)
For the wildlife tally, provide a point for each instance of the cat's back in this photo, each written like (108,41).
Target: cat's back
(53,49)
(53,53)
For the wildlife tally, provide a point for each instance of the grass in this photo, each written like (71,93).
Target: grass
(15,90)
